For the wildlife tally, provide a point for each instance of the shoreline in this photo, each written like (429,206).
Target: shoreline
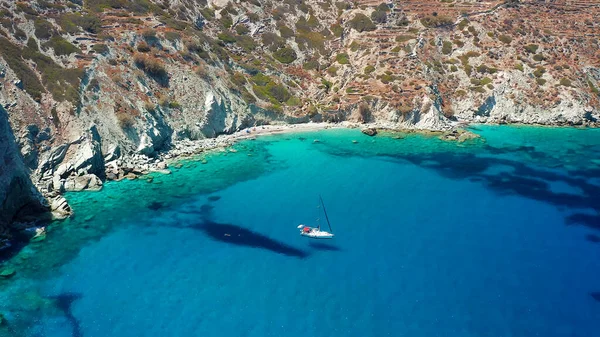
(133,165)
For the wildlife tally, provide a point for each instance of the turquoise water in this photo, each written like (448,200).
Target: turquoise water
(494,237)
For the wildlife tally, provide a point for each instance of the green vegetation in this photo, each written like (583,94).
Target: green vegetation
(238,79)
(485,69)
(490,34)
(75,22)
(268,90)
(540,81)
(61,46)
(326,84)
(342,58)
(354,46)
(519,66)
(12,55)
(362,23)
(369,69)
(460,93)
(23,7)
(481,82)
(446,47)
(226,37)
(172,36)
(311,40)
(285,31)
(135,6)
(285,55)
(453,68)
(539,71)
(464,59)
(242,29)
(332,70)
(337,29)
(458,43)
(208,13)
(404,38)
(246,42)
(386,78)
(505,39)
(312,64)
(273,41)
(379,16)
(464,23)
(565,82)
(174,105)
(43,29)
(431,21)
(538,57)
(226,21)
(531,48)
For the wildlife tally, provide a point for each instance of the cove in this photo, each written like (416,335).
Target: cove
(493,237)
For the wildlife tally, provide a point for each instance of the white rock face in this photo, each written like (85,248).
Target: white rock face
(88,158)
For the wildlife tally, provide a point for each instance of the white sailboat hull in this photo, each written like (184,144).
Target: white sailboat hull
(317,234)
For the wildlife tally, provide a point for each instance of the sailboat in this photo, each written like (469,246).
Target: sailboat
(316,232)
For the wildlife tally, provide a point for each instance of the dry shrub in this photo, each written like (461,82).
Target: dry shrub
(124,116)
(143,47)
(153,67)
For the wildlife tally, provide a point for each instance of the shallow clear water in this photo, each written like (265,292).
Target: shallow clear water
(487,238)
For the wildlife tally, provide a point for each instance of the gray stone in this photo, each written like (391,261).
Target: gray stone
(369,131)
(83,182)
(113,153)
(89,154)
(64,170)
(58,184)
(53,158)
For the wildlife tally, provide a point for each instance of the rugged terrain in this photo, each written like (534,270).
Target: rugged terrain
(96,89)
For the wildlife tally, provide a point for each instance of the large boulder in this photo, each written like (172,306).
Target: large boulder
(113,153)
(369,131)
(84,182)
(52,158)
(88,158)
(60,208)
(156,136)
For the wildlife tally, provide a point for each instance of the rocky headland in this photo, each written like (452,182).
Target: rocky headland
(102,90)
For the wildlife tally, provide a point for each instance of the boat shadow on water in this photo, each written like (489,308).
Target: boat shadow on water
(324,246)
(236,235)
(240,236)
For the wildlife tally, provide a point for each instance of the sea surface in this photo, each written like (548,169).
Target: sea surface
(497,236)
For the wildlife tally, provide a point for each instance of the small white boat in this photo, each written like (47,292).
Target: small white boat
(316,232)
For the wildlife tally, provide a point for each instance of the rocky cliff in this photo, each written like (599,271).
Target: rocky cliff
(88,83)
(19,199)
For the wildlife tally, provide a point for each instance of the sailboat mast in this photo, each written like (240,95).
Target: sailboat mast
(325,211)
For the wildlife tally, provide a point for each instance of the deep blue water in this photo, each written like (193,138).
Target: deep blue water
(485,238)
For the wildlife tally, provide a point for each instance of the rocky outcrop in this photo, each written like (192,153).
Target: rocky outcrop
(88,158)
(83,182)
(369,131)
